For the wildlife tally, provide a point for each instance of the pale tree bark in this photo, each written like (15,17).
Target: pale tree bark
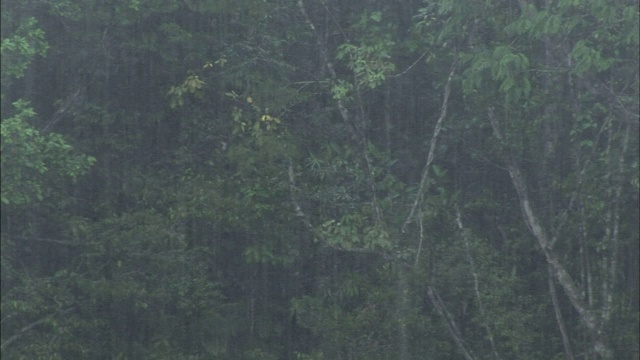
(549,151)
(358,132)
(452,328)
(571,289)
(613,229)
(432,149)
(476,284)
(568,353)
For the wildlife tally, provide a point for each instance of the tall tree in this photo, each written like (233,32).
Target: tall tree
(319,179)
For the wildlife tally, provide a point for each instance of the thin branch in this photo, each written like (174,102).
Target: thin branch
(335,21)
(410,66)
(344,112)
(540,234)
(421,225)
(432,148)
(556,307)
(321,45)
(41,239)
(476,283)
(614,229)
(450,321)
(294,199)
(22,331)
(59,114)
(578,185)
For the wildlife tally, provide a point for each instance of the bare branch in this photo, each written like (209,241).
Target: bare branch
(432,148)
(450,321)
(410,66)
(60,113)
(296,204)
(613,231)
(421,226)
(476,282)
(540,234)
(22,331)
(556,307)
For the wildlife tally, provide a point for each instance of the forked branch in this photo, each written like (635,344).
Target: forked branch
(539,232)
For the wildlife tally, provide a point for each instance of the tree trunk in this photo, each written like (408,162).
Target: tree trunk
(569,286)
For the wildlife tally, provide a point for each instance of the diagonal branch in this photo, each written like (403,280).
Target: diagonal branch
(540,234)
(60,113)
(476,283)
(410,66)
(30,326)
(325,58)
(568,353)
(432,148)
(450,321)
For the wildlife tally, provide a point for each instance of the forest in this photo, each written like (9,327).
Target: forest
(320,179)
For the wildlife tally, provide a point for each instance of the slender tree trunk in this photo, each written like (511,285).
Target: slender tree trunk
(402,311)
(387,117)
(432,148)
(452,328)
(532,221)
(558,312)
(613,229)
(476,284)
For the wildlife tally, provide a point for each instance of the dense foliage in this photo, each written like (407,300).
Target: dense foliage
(271,179)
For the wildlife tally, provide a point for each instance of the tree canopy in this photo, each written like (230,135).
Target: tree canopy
(271,179)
